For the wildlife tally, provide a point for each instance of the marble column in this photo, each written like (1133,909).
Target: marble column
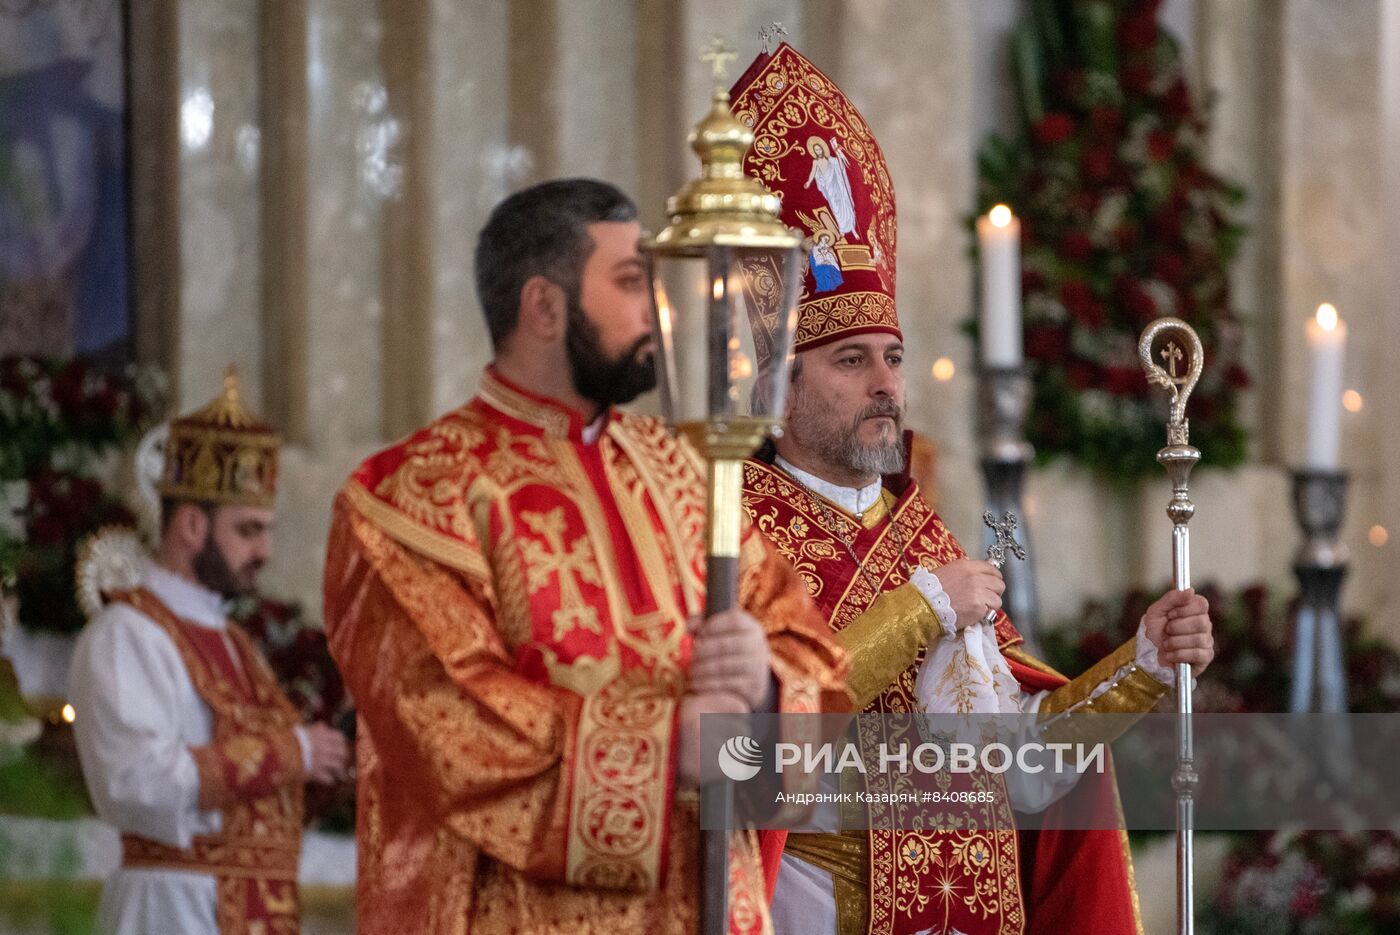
(921,108)
(1240,71)
(473,166)
(155,171)
(1332,225)
(220,230)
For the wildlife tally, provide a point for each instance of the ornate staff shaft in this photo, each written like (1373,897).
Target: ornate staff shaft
(1178,457)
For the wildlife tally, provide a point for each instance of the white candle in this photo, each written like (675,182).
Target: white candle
(999,243)
(1327,339)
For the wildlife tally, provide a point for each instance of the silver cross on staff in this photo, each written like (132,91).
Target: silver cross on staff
(1004,530)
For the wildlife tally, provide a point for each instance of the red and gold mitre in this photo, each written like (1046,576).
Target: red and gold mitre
(813,150)
(221,453)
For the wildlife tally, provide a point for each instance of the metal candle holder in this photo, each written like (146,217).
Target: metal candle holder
(1319,678)
(1003,398)
(1180,342)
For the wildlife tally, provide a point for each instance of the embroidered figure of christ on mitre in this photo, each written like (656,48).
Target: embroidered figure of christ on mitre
(871,552)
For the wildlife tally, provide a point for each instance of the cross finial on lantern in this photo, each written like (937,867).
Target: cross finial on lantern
(717,54)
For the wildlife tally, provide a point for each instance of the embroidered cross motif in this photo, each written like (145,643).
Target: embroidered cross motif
(551,559)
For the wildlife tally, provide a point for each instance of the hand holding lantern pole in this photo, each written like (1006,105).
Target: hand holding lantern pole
(726,275)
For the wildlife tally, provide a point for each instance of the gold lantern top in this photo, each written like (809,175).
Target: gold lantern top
(723,207)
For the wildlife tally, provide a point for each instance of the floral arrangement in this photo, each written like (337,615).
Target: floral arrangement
(63,428)
(1305,882)
(1309,882)
(297,652)
(1253,650)
(1121,223)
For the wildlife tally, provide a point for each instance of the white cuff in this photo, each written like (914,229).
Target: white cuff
(932,590)
(304,742)
(1147,658)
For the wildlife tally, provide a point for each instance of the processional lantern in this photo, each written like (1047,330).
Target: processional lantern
(726,275)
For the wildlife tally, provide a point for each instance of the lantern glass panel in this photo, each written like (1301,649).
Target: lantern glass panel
(724,320)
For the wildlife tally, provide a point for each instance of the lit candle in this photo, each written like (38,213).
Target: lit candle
(999,243)
(1327,339)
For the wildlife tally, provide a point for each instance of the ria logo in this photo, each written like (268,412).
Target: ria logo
(740,758)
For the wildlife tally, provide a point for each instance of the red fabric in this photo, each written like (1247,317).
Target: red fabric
(813,149)
(1076,880)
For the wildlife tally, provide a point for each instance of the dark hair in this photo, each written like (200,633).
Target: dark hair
(540,231)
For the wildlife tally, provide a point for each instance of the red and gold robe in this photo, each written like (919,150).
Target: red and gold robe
(508,604)
(251,773)
(895,881)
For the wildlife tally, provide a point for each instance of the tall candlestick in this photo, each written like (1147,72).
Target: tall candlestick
(999,245)
(1327,338)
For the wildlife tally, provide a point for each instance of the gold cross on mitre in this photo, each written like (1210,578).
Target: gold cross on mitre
(717,54)
(1171,354)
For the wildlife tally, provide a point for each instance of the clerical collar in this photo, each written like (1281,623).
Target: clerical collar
(545,413)
(854,500)
(186,599)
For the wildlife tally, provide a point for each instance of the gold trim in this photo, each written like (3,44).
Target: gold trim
(822,320)
(554,420)
(885,640)
(1135,693)
(631,723)
(435,545)
(642,451)
(1014,652)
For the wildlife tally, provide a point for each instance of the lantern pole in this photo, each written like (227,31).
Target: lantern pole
(718,223)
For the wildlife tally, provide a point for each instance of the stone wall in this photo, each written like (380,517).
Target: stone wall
(315,171)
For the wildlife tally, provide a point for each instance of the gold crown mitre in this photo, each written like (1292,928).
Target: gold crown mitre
(221,453)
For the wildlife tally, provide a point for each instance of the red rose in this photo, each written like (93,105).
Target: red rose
(1095,645)
(1053,128)
(1170,268)
(1305,902)
(1126,236)
(1097,163)
(1136,79)
(1083,205)
(1237,376)
(1083,307)
(47,529)
(1031,281)
(1047,343)
(1166,223)
(1138,32)
(1106,122)
(1138,303)
(1069,84)
(1177,100)
(1125,381)
(1160,145)
(1077,247)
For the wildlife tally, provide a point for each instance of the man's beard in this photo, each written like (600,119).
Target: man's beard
(840,445)
(212,570)
(596,377)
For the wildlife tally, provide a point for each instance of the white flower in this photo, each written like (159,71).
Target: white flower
(14,498)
